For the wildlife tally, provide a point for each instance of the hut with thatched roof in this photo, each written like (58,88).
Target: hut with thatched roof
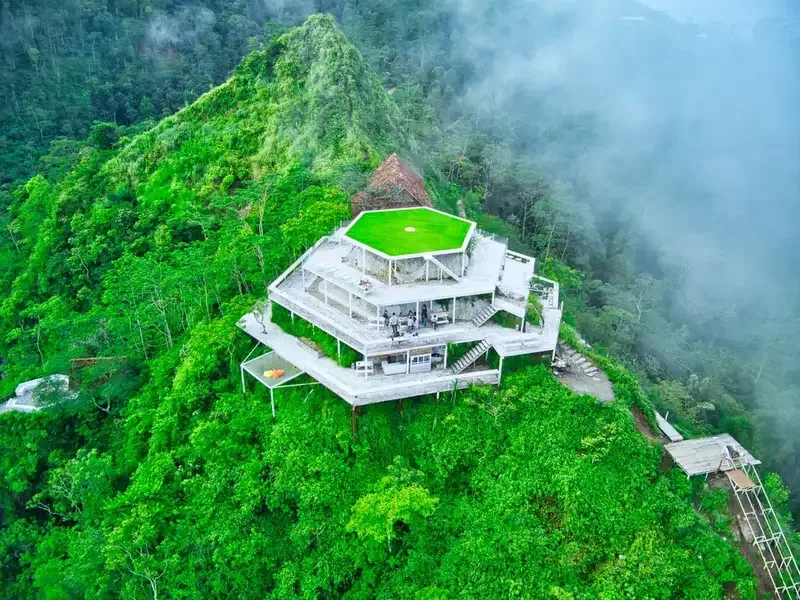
(395,184)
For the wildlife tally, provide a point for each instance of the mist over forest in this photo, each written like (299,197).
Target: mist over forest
(646,153)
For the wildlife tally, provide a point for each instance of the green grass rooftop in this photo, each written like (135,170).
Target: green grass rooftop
(409,231)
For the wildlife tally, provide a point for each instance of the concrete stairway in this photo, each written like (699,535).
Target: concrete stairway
(577,360)
(432,259)
(470,357)
(486,314)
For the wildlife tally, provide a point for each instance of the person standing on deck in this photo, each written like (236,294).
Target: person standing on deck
(385,318)
(393,322)
(424,315)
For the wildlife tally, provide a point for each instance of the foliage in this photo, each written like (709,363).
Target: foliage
(301,328)
(163,479)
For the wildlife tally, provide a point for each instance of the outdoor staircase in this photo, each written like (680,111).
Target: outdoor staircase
(577,360)
(432,259)
(486,314)
(470,357)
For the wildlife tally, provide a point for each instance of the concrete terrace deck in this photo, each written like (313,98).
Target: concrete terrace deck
(367,337)
(481,275)
(354,388)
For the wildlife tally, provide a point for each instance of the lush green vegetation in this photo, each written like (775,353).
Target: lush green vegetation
(343,354)
(388,231)
(150,242)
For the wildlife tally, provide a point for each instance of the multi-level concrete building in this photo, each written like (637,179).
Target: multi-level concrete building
(468,291)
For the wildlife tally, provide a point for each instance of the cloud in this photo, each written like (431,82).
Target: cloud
(183,27)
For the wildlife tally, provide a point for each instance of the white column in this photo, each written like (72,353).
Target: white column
(339,350)
(377,319)
(243,388)
(326,291)
(500,375)
(303,275)
(390,272)
(350,303)
(427,270)
(445,356)
(463,256)
(417,314)
(272,401)
(408,361)
(366,372)
(454,311)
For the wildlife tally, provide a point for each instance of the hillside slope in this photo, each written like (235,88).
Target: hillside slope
(163,480)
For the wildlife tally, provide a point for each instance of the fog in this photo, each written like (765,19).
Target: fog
(698,127)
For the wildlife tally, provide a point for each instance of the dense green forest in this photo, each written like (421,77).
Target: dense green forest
(126,235)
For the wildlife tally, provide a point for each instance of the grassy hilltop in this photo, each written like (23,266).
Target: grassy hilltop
(163,480)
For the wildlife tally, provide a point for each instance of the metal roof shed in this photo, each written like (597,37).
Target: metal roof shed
(708,455)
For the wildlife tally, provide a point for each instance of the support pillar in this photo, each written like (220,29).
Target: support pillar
(427,270)
(353,420)
(303,275)
(454,311)
(390,272)
(377,319)
(244,390)
(326,291)
(291,313)
(350,303)
(463,256)
(417,314)
(339,350)
(445,356)
(366,372)
(522,325)
(408,361)
(500,375)
(272,401)
(437,398)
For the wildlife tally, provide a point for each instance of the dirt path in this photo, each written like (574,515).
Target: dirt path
(643,427)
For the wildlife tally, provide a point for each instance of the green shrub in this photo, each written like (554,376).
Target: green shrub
(299,327)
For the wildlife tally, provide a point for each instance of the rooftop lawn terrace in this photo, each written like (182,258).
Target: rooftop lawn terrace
(409,231)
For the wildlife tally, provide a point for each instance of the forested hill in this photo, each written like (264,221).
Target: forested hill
(186,193)
(162,480)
